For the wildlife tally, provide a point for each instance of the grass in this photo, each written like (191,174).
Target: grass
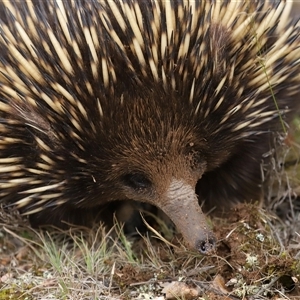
(252,258)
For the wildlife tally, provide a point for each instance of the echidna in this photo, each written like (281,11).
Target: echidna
(142,100)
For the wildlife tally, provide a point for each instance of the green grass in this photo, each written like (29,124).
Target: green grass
(252,259)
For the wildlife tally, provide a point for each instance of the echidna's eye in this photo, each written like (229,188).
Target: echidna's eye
(137,181)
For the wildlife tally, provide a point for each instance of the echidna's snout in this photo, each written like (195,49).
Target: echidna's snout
(181,205)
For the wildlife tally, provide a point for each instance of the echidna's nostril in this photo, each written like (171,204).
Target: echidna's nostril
(206,246)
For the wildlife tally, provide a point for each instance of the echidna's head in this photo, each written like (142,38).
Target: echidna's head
(154,152)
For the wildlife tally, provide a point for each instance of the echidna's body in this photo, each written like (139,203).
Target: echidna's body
(113,100)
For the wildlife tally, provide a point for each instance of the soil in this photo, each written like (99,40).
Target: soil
(250,262)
